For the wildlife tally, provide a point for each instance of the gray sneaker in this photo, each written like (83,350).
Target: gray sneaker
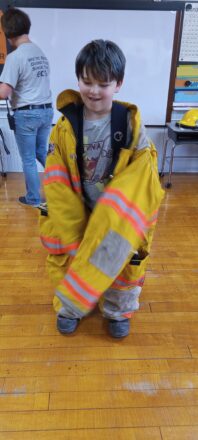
(119,329)
(66,325)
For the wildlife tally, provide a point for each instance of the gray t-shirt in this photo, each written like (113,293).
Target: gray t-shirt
(27,70)
(98,154)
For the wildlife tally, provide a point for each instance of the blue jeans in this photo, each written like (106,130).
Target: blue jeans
(31,133)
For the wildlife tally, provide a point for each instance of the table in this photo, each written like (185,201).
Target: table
(178,136)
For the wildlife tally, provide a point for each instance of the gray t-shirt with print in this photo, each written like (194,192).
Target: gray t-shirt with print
(27,70)
(98,155)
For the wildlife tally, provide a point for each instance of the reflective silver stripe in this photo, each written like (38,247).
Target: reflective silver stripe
(55,173)
(69,310)
(126,209)
(79,289)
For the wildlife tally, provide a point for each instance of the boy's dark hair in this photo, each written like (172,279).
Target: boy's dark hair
(15,23)
(103,59)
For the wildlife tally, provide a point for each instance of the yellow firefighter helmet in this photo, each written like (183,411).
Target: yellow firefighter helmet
(189,119)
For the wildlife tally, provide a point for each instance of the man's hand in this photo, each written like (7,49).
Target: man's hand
(5,91)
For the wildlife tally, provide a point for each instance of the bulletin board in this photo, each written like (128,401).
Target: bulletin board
(189,40)
(186,85)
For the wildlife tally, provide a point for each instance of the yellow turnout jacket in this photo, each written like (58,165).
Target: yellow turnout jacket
(98,245)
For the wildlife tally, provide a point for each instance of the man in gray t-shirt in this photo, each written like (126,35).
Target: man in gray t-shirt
(25,81)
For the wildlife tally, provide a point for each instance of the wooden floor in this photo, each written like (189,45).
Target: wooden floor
(89,386)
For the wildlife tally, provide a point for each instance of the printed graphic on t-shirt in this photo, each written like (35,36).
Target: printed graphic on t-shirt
(97,158)
(39,65)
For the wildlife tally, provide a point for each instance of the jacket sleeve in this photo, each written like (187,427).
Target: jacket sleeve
(62,229)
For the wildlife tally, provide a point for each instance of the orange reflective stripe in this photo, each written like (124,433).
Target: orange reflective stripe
(116,207)
(153,218)
(77,287)
(129,204)
(121,282)
(79,297)
(76,183)
(75,179)
(126,209)
(56,173)
(83,284)
(55,246)
(53,179)
(55,167)
(128,315)
(59,173)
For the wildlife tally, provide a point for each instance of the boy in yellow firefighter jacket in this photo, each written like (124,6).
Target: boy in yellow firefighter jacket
(103,193)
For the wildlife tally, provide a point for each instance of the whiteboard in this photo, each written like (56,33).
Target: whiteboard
(146,38)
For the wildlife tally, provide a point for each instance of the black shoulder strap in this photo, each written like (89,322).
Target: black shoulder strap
(71,113)
(118,125)
(119,120)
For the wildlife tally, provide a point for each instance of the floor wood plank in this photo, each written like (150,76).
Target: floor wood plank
(123,399)
(99,418)
(24,402)
(89,353)
(180,433)
(98,382)
(86,434)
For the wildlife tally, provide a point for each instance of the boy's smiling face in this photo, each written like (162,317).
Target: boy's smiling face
(97,95)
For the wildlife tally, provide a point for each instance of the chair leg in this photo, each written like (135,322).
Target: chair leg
(164,158)
(2,167)
(169,184)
